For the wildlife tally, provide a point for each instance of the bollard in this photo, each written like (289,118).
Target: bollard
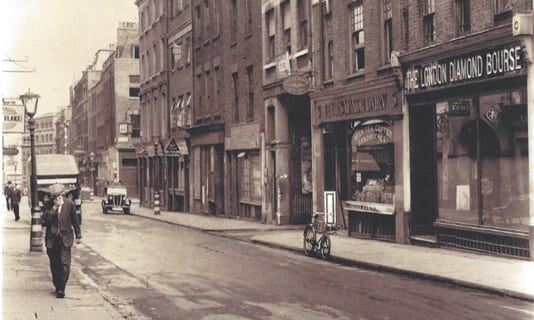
(156,204)
(36,235)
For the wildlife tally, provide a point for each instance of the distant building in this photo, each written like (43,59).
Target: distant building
(105,108)
(62,125)
(179,54)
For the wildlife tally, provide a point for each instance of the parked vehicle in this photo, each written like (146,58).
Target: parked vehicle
(116,200)
(61,169)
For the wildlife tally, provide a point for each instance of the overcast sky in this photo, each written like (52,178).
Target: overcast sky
(59,39)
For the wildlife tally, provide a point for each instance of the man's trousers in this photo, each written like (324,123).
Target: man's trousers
(60,257)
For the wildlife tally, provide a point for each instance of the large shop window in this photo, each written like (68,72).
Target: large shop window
(482,160)
(372,167)
(250,176)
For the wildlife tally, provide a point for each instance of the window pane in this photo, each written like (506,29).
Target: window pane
(504,162)
(372,166)
(463,15)
(503,5)
(256,177)
(357,17)
(483,161)
(245,178)
(388,39)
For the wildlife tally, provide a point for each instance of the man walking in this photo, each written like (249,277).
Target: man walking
(7,194)
(60,219)
(16,196)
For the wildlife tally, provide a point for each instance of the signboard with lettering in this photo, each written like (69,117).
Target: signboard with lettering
(172,149)
(296,85)
(366,104)
(13,119)
(374,134)
(471,67)
(459,108)
(371,207)
(10,151)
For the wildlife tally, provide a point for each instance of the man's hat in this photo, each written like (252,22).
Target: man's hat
(56,189)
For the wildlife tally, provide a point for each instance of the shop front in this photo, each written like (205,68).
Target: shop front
(469,132)
(243,172)
(207,170)
(177,177)
(357,141)
(148,167)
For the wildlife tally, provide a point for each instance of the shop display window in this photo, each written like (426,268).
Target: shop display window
(250,176)
(482,160)
(372,186)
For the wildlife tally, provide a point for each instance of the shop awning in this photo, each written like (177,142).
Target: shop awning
(364,161)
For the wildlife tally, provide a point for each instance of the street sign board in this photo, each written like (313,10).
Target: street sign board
(10,151)
(13,118)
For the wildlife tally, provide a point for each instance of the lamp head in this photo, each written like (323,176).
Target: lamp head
(30,100)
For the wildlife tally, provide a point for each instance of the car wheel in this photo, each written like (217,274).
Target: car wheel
(126,211)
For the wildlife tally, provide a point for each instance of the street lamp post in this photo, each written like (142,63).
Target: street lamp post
(157,209)
(30,100)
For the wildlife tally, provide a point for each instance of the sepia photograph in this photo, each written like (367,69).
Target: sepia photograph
(267,159)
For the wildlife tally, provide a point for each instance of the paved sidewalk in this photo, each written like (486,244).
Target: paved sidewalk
(492,274)
(27,283)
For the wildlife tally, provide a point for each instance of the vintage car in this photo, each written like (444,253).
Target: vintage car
(116,200)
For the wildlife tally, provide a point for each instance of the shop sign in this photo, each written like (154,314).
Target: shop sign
(475,66)
(375,134)
(368,104)
(13,119)
(10,151)
(296,85)
(459,108)
(371,207)
(172,149)
(330,208)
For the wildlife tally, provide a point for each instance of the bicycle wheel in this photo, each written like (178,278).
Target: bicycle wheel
(309,239)
(325,246)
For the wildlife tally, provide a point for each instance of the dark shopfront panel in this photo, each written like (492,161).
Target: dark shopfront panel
(472,109)
(480,178)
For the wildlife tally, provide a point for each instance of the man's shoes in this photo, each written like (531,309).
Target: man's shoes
(17,219)
(60,295)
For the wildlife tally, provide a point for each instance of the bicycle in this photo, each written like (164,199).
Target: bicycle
(311,243)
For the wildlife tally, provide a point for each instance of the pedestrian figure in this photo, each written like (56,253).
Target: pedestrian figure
(60,219)
(7,193)
(16,196)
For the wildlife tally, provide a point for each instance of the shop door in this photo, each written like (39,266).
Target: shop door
(423,170)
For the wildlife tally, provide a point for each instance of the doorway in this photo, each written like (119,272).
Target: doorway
(300,161)
(423,170)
